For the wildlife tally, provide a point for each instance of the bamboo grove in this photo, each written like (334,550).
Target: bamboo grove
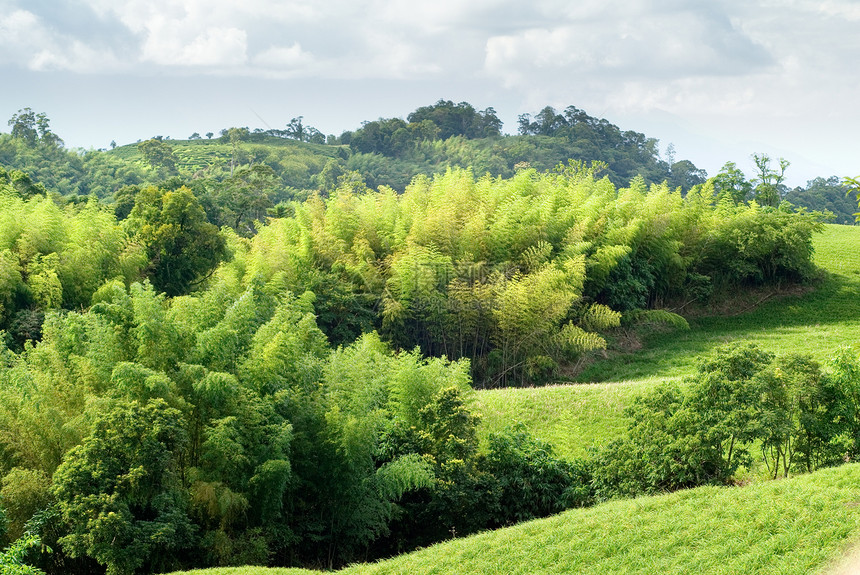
(308,401)
(522,275)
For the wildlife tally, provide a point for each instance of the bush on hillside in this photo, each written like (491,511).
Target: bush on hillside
(701,432)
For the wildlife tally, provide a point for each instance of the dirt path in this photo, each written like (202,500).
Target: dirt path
(848,564)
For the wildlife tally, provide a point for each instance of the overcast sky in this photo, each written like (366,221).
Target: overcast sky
(718,79)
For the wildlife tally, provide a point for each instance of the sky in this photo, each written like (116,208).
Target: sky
(719,80)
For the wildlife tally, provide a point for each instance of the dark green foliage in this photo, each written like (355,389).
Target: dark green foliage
(33,129)
(461,119)
(826,195)
(844,383)
(21,183)
(123,201)
(243,197)
(120,492)
(392,152)
(629,286)
(183,248)
(68,172)
(531,481)
(702,433)
(760,246)
(662,451)
(159,155)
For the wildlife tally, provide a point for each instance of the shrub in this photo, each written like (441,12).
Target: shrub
(531,481)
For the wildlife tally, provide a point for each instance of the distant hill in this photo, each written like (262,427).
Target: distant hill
(382,152)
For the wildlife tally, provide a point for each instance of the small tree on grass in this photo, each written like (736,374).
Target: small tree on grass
(683,437)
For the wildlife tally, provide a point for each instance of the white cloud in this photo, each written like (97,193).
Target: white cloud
(19,30)
(285,62)
(626,43)
(284,57)
(215,47)
(26,41)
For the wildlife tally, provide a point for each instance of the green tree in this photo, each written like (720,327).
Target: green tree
(12,559)
(158,154)
(23,125)
(243,197)
(768,183)
(235,136)
(531,480)
(182,246)
(120,492)
(853,185)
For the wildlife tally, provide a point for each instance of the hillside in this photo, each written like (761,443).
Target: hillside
(310,400)
(817,322)
(799,525)
(390,152)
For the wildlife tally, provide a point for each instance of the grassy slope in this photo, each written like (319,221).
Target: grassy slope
(194,155)
(816,323)
(793,526)
(571,417)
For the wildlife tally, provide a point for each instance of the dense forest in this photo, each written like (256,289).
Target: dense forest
(262,350)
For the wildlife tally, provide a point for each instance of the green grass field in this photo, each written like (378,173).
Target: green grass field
(817,322)
(798,526)
(570,417)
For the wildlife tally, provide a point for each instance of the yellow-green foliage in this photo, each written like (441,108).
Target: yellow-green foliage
(506,271)
(56,257)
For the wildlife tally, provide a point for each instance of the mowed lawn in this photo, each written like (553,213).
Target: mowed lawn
(573,417)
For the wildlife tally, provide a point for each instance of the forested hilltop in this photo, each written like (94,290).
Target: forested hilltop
(201,365)
(298,160)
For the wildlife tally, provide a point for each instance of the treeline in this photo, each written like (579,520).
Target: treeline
(150,434)
(391,152)
(55,255)
(388,151)
(520,276)
(744,405)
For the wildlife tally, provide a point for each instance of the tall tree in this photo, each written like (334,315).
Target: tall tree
(730,182)
(158,154)
(120,491)
(769,189)
(183,247)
